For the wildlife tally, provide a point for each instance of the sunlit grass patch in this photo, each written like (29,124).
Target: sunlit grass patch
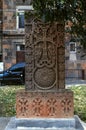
(80,101)
(8,99)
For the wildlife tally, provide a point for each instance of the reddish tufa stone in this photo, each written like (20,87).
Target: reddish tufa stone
(44,104)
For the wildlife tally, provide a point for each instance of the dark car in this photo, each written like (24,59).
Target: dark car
(14,75)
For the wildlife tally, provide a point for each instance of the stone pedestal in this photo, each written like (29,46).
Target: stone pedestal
(40,104)
(45,124)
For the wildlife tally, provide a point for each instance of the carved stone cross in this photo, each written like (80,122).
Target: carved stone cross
(46,63)
(45,94)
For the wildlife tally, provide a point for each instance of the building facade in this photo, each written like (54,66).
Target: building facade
(75,59)
(1,28)
(12,39)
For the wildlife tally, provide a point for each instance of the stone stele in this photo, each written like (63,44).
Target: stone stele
(45,95)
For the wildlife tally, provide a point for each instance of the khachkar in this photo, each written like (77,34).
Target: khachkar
(45,94)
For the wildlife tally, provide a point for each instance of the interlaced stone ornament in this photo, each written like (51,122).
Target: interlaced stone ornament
(45,95)
(45,56)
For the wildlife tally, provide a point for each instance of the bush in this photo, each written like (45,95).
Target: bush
(7,100)
(80,101)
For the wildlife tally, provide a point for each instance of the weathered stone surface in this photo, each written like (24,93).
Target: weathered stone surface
(45,56)
(8,14)
(46,124)
(44,104)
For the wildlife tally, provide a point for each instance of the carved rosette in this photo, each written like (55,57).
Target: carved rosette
(44,104)
(45,64)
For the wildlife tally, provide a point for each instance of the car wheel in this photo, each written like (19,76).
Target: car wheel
(2,84)
(22,81)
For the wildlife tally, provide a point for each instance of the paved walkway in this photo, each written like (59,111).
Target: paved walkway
(68,82)
(74,82)
(3,122)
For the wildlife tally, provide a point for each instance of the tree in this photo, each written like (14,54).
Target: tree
(64,11)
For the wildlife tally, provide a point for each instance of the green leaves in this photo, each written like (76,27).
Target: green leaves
(53,10)
(80,101)
(49,10)
(62,11)
(7,100)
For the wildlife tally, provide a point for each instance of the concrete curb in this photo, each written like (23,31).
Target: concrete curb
(3,122)
(46,124)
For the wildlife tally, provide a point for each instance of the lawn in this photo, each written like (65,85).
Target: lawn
(80,101)
(7,100)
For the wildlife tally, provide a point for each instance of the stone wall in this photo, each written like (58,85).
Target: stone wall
(9,13)
(11,35)
(1,25)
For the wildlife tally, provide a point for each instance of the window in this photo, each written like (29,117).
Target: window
(20,10)
(72,47)
(20,47)
(72,51)
(21,19)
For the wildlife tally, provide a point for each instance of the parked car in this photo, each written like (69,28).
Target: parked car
(14,75)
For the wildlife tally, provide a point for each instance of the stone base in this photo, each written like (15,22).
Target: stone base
(44,104)
(45,124)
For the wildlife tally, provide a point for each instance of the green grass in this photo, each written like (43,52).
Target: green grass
(80,101)
(8,99)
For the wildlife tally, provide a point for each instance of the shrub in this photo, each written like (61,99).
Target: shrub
(7,100)
(80,101)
